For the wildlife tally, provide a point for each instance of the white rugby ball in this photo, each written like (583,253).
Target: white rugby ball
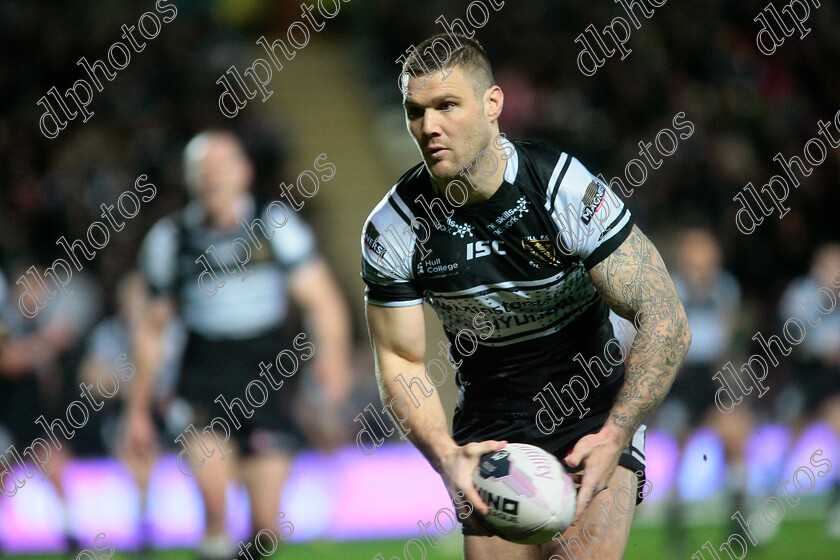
(530,495)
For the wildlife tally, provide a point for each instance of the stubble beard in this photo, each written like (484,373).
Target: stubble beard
(444,178)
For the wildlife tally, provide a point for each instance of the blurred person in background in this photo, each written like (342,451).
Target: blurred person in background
(817,357)
(109,339)
(39,358)
(243,323)
(712,299)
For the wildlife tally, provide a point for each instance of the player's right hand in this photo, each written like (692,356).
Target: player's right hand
(335,379)
(139,432)
(457,470)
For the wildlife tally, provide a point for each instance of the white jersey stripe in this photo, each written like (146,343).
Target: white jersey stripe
(399,202)
(514,284)
(512,163)
(393,303)
(554,175)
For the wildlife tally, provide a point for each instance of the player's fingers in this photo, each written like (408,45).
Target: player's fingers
(480,525)
(471,494)
(474,451)
(477,449)
(578,453)
(584,496)
(591,485)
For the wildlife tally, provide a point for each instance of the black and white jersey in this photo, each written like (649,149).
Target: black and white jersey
(517,262)
(711,311)
(245,306)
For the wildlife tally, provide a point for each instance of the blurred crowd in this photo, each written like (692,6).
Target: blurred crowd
(141,121)
(699,58)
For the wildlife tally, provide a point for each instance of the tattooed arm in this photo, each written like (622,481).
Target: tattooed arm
(635,284)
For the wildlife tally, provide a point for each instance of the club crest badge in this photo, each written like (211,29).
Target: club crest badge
(541,249)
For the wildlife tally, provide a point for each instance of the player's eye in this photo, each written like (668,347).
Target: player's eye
(414,112)
(446,105)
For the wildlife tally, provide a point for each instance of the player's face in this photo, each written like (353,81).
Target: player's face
(449,122)
(826,264)
(223,174)
(700,257)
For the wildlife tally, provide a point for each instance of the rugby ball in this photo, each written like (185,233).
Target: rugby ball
(530,495)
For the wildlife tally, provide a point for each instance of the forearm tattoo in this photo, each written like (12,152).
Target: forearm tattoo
(636,285)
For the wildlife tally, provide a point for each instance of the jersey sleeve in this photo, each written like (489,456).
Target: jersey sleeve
(591,219)
(107,341)
(294,243)
(157,259)
(797,292)
(387,249)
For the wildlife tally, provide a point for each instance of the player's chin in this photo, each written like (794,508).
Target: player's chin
(442,170)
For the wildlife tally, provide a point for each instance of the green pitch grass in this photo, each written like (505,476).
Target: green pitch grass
(795,541)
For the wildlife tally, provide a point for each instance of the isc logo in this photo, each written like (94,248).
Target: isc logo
(483,248)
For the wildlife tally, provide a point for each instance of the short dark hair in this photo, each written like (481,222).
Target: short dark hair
(463,52)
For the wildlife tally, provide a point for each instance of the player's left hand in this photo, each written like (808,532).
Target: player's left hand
(598,453)
(334,378)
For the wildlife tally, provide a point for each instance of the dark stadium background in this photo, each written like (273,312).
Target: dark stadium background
(338,96)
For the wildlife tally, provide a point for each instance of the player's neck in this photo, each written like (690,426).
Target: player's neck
(228,216)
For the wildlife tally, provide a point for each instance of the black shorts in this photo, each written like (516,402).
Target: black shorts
(21,406)
(523,429)
(691,395)
(818,383)
(24,402)
(225,367)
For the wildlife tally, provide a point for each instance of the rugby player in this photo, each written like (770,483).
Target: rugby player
(817,367)
(231,332)
(544,250)
(712,299)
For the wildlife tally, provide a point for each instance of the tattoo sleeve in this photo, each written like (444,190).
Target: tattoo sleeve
(635,284)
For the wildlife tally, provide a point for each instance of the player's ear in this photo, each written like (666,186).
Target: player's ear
(494,99)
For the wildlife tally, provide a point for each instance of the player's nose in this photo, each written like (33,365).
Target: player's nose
(431,124)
